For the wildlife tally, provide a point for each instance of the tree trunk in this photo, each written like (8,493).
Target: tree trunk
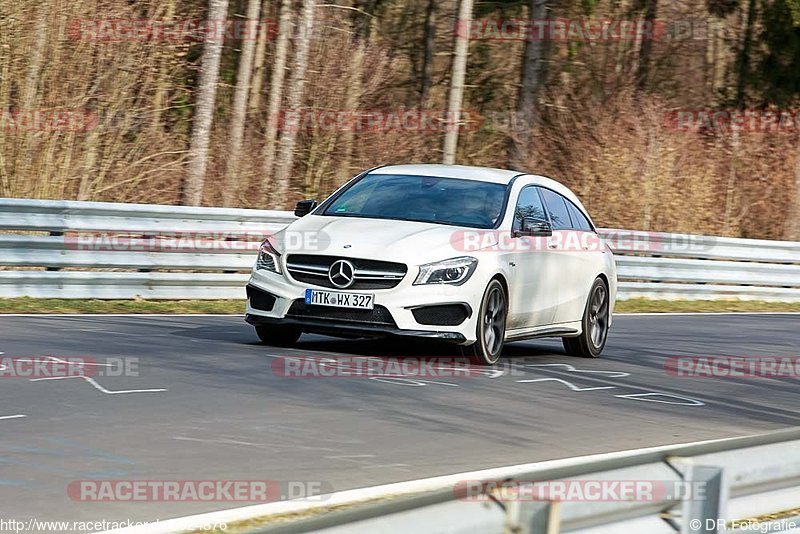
(204,107)
(276,91)
(363,18)
(231,189)
(297,84)
(457,83)
(533,72)
(163,81)
(428,52)
(646,49)
(254,102)
(352,100)
(743,63)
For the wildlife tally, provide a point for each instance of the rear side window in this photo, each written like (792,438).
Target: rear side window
(579,220)
(557,207)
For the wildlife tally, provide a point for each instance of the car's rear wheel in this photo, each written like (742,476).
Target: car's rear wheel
(491,329)
(595,324)
(278,336)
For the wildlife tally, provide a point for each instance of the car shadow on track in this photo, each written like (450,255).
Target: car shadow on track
(414,348)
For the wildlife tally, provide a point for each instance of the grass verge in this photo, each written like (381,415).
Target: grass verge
(703,306)
(236,307)
(29,305)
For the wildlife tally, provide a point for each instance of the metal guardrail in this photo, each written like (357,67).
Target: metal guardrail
(750,481)
(41,255)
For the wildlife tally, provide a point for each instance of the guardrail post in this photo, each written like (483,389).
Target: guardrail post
(532,517)
(54,234)
(703,504)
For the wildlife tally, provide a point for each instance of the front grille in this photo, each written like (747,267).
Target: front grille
(369,274)
(260,300)
(442,315)
(379,316)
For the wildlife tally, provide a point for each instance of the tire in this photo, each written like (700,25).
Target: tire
(278,336)
(491,328)
(595,324)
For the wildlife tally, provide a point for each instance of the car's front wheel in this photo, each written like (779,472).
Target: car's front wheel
(279,336)
(491,329)
(595,324)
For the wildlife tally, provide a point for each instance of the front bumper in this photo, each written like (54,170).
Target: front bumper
(346,329)
(399,303)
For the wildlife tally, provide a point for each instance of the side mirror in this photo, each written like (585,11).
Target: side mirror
(534,228)
(304,207)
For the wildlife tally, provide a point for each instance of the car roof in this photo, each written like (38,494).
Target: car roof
(481,174)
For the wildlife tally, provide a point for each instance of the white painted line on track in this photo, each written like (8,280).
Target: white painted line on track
(188,523)
(657,314)
(4,417)
(237,315)
(98,386)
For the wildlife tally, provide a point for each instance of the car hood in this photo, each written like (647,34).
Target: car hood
(391,240)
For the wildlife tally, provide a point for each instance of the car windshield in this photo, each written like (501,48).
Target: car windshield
(449,201)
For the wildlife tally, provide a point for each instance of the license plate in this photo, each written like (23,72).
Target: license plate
(336,299)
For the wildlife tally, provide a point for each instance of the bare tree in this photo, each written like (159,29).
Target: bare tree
(204,107)
(297,83)
(259,65)
(646,48)
(285,27)
(457,83)
(233,167)
(533,71)
(743,61)
(352,99)
(163,84)
(428,52)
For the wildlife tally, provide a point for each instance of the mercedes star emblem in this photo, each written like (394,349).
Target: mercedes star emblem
(342,274)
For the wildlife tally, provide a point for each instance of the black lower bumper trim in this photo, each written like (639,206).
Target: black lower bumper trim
(352,330)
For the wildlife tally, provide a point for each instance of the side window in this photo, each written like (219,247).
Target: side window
(557,207)
(579,220)
(528,205)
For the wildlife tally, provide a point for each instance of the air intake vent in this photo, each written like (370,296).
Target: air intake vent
(260,300)
(442,315)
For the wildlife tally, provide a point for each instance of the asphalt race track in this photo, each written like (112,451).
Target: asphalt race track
(205,404)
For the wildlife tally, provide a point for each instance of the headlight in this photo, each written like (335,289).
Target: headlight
(454,272)
(268,258)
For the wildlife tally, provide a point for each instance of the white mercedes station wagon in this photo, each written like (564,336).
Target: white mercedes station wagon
(479,257)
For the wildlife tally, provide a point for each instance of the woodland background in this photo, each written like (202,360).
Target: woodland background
(190,121)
